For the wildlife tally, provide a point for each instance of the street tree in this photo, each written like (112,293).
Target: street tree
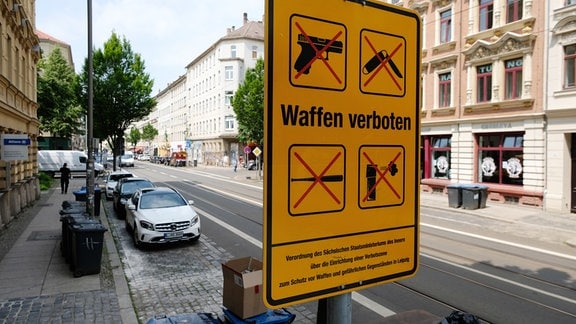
(248,104)
(149,133)
(134,136)
(121,91)
(58,109)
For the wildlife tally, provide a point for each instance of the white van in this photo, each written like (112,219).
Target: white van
(50,161)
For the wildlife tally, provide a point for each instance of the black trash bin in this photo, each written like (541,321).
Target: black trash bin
(87,243)
(483,195)
(470,196)
(68,220)
(80,195)
(454,195)
(97,197)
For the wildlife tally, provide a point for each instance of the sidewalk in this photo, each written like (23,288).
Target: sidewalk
(37,285)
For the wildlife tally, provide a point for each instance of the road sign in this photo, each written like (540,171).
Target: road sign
(341,200)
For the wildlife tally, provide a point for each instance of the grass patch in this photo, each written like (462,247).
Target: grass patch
(46,181)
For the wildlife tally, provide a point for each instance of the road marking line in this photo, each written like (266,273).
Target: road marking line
(522,246)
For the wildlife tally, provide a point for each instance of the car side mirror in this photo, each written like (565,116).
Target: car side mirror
(190,202)
(132,207)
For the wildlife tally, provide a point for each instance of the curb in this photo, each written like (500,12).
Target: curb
(127,312)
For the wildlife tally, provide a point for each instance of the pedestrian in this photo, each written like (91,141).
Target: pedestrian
(234,164)
(64,178)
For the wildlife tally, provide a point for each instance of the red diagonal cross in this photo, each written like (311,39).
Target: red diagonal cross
(381,176)
(319,53)
(317,178)
(383,64)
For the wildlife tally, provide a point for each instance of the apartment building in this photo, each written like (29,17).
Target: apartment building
(194,113)
(560,106)
(19,52)
(483,118)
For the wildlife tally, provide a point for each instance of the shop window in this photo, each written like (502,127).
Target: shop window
(569,66)
(513,78)
(514,10)
(486,9)
(436,155)
(440,154)
(501,158)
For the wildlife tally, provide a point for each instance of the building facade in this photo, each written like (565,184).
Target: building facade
(194,113)
(20,52)
(482,113)
(560,105)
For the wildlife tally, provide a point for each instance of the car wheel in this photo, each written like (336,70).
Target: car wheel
(127,226)
(135,238)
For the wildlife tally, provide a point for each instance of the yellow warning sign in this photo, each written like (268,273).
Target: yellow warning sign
(341,147)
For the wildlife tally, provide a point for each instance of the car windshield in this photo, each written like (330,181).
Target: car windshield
(163,200)
(131,186)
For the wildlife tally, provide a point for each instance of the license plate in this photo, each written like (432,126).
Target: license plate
(172,235)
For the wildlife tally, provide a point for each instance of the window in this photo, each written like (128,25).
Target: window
(445,26)
(570,2)
(569,66)
(514,9)
(435,157)
(228,72)
(228,98)
(485,14)
(440,153)
(229,122)
(484,82)
(233,51)
(254,52)
(444,88)
(501,158)
(513,78)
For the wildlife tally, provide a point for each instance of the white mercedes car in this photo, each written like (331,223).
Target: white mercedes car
(161,215)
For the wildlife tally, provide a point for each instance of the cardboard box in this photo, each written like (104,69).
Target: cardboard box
(243,293)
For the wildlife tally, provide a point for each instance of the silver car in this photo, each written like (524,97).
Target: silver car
(161,215)
(111,181)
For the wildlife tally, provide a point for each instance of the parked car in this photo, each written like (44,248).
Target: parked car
(111,181)
(161,215)
(144,157)
(126,160)
(124,189)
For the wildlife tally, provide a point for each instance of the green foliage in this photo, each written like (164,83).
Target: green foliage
(46,181)
(58,109)
(121,90)
(149,132)
(248,104)
(134,136)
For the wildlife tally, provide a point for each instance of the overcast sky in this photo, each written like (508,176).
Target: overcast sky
(168,34)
